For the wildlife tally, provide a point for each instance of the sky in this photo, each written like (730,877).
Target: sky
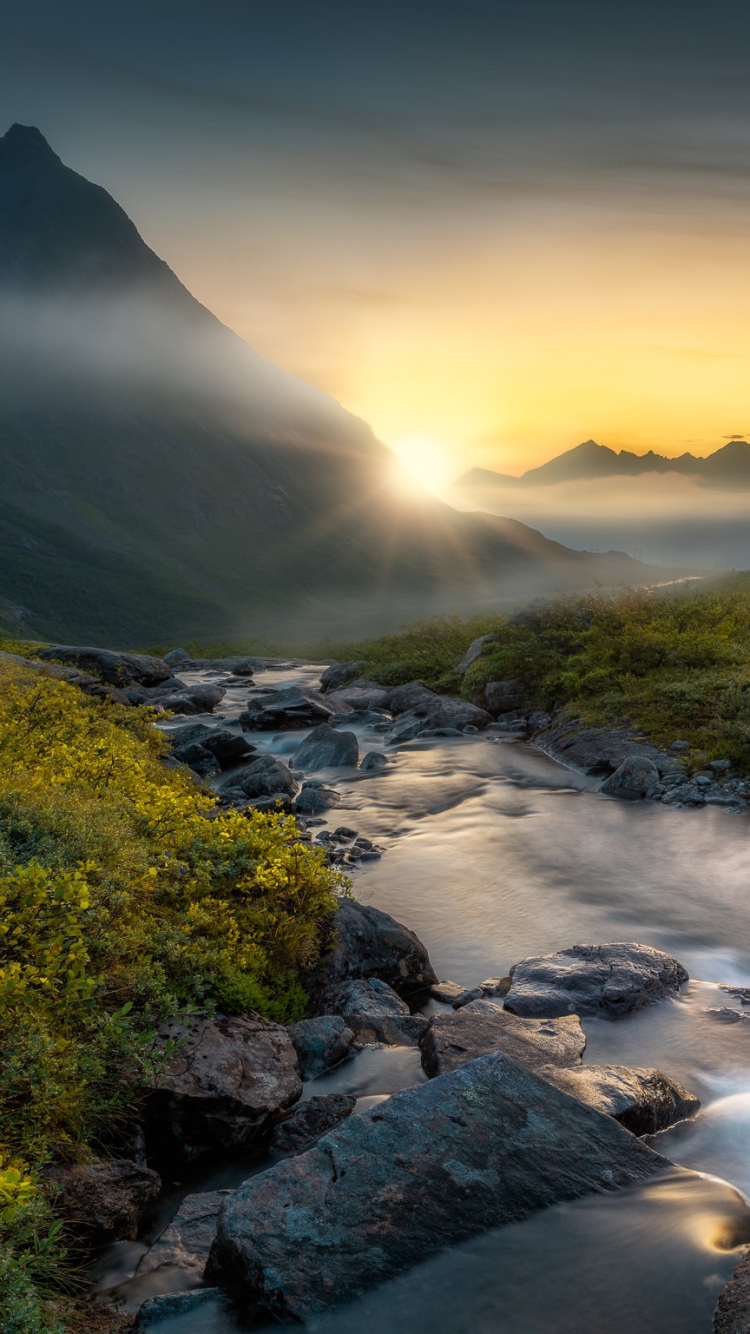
(492,228)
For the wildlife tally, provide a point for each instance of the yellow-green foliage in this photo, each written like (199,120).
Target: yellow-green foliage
(125,896)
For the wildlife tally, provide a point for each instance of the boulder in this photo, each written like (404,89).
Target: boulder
(492,987)
(363,695)
(441,712)
(326,748)
(732,1314)
(635,779)
(314,797)
(504,696)
(227,748)
(370,943)
(207,1304)
(116,669)
(474,651)
(185,1243)
(596,750)
(306,1123)
(446,992)
(452,1040)
(405,698)
(428,1168)
(320,1043)
(264,777)
(609,980)
(644,1101)
(338,674)
(103,1202)
(177,657)
(227,1084)
(374,1013)
(288,707)
(374,762)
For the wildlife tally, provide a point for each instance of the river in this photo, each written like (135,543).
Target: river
(493,851)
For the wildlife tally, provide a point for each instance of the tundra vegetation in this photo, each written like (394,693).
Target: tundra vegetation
(125,898)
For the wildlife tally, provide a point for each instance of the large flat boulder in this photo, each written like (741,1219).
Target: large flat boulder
(327,748)
(610,980)
(428,1168)
(229,1082)
(452,1040)
(103,1202)
(370,943)
(116,669)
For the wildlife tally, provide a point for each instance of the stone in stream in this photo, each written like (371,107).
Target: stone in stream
(314,797)
(192,699)
(338,674)
(224,747)
(452,1040)
(405,698)
(326,748)
(363,695)
(606,980)
(374,1013)
(198,1307)
(440,712)
(103,1202)
(374,762)
(370,943)
(264,777)
(225,1087)
(446,992)
(428,1168)
(309,1120)
(186,1241)
(635,779)
(320,1043)
(643,1100)
(492,986)
(288,707)
(732,1314)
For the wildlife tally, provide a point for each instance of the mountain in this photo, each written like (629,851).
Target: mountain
(162,480)
(727,467)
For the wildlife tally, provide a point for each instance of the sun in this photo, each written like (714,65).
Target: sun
(425,465)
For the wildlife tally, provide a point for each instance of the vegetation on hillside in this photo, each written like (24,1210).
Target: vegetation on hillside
(125,896)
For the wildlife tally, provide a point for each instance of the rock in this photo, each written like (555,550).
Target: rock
(362,695)
(474,651)
(374,1013)
(177,657)
(227,748)
(197,758)
(227,1084)
(405,698)
(316,797)
(452,1040)
(441,712)
(446,992)
(370,943)
(325,748)
(644,1101)
(320,1043)
(504,696)
(276,802)
(374,762)
(116,669)
(610,980)
(680,745)
(538,719)
(724,1015)
(428,1168)
(189,699)
(492,986)
(719,766)
(338,674)
(307,1122)
(264,778)
(181,1305)
(732,1314)
(103,1202)
(288,707)
(595,750)
(187,1240)
(636,778)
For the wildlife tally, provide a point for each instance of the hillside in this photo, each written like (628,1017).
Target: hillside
(160,479)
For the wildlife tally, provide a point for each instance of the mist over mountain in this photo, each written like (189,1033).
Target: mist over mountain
(161,479)
(728,466)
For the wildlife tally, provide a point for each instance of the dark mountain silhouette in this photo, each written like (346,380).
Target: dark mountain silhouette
(727,467)
(160,479)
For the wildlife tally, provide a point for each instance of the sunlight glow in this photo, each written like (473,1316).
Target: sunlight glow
(426,465)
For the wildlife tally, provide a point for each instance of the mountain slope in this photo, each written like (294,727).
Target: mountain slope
(728,466)
(161,479)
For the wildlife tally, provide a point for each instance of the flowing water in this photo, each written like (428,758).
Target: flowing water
(494,852)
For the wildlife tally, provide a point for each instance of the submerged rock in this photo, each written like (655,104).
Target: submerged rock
(103,1202)
(306,1123)
(370,943)
(228,1083)
(636,778)
(320,1043)
(429,1167)
(326,748)
(609,980)
(374,1013)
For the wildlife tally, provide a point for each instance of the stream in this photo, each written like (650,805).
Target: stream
(494,851)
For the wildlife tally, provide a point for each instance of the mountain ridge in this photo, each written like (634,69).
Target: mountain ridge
(728,465)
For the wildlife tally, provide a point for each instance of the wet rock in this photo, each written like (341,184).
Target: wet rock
(307,1122)
(264,778)
(225,747)
(315,797)
(325,748)
(374,762)
(446,992)
(227,1084)
(732,1314)
(636,778)
(492,986)
(116,669)
(644,1101)
(177,657)
(370,943)
(361,695)
(609,980)
(320,1043)
(474,651)
(103,1202)
(338,674)
(430,1167)
(724,1015)
(185,1243)
(405,698)
(288,707)
(452,1040)
(596,750)
(441,712)
(374,1013)
(198,1306)
(504,696)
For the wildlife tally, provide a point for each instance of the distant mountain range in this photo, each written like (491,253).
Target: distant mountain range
(161,480)
(727,467)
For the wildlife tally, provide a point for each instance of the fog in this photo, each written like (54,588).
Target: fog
(660,518)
